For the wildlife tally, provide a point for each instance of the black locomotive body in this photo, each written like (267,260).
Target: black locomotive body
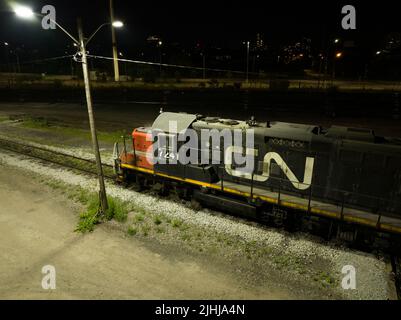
(345,165)
(336,172)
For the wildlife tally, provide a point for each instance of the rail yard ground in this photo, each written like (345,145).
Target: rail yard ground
(163,248)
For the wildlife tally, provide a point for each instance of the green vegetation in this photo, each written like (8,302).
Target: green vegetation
(325,279)
(145,230)
(139,217)
(89,218)
(117,210)
(157,220)
(44,124)
(65,160)
(132,230)
(176,223)
(4,118)
(160,230)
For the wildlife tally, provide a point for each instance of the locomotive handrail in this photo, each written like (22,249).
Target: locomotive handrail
(310,199)
(345,194)
(222,180)
(282,181)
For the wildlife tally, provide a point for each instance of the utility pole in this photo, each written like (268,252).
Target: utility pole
(95,144)
(247,61)
(159,44)
(17,60)
(204,65)
(114,43)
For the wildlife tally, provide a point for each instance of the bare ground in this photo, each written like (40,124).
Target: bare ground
(36,229)
(113,117)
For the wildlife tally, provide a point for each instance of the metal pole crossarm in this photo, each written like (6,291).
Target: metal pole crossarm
(96,31)
(58,25)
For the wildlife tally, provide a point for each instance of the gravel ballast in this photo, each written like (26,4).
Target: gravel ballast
(372,273)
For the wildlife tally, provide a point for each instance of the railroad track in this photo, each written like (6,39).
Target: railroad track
(88,166)
(55,157)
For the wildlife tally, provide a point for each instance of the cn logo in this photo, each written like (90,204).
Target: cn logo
(267,160)
(49,280)
(349,280)
(349,20)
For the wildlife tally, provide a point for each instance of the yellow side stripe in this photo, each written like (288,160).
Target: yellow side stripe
(287,204)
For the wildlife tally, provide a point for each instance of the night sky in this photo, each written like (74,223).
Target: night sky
(213,23)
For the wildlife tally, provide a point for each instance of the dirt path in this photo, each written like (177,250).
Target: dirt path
(36,229)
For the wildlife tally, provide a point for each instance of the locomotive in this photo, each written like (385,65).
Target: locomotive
(337,174)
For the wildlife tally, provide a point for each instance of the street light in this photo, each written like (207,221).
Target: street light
(117,24)
(25,12)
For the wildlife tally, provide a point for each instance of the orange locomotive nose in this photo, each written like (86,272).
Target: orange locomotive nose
(142,146)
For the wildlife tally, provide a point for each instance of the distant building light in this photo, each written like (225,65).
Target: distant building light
(339,55)
(378,52)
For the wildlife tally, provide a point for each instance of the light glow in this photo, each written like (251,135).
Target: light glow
(118,24)
(24,12)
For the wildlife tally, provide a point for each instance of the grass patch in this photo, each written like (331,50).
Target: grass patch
(87,220)
(145,230)
(160,230)
(132,231)
(139,217)
(326,279)
(35,123)
(117,210)
(157,220)
(176,223)
(43,124)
